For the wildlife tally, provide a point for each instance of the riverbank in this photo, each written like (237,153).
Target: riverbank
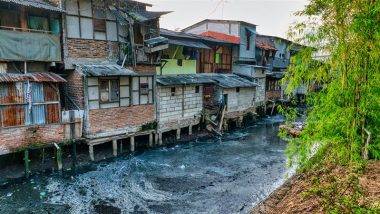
(315,192)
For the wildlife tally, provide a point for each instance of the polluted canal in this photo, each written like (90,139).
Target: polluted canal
(227,175)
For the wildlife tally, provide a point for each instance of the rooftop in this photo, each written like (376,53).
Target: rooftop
(105,70)
(41,4)
(221,80)
(222,37)
(33,77)
(218,21)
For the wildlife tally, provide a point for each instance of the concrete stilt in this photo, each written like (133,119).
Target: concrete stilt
(156,139)
(132,144)
(151,140)
(26,162)
(74,156)
(59,157)
(178,134)
(160,139)
(114,148)
(121,147)
(191,130)
(91,151)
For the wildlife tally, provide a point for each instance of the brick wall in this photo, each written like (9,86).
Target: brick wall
(108,120)
(75,88)
(85,48)
(20,137)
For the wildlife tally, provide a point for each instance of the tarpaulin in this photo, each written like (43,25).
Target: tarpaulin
(28,46)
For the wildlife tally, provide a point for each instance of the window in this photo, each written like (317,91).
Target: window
(179,62)
(197,89)
(38,23)
(31,103)
(218,58)
(144,88)
(172,90)
(86,21)
(248,37)
(237,90)
(109,91)
(9,18)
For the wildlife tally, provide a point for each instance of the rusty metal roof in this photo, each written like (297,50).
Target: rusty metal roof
(33,77)
(105,70)
(35,3)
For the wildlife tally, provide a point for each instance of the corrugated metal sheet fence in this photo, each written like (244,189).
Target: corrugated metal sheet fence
(23,103)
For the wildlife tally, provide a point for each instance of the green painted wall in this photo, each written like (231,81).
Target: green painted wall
(172,67)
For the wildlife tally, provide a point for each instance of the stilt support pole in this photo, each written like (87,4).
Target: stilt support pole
(26,162)
(114,148)
(132,144)
(91,151)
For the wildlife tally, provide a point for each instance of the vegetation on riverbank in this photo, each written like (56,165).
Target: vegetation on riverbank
(343,120)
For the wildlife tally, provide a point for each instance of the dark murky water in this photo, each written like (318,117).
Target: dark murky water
(216,176)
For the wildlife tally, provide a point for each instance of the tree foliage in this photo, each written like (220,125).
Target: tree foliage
(345,113)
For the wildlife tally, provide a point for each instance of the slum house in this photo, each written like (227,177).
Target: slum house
(234,96)
(145,38)
(31,114)
(190,54)
(117,102)
(183,54)
(265,55)
(180,102)
(243,35)
(279,62)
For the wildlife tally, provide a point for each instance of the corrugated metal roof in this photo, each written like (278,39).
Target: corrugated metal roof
(36,3)
(221,80)
(188,43)
(33,77)
(143,16)
(183,79)
(105,70)
(188,36)
(276,75)
(231,81)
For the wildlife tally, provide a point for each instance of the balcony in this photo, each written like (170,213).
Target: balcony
(281,62)
(18,44)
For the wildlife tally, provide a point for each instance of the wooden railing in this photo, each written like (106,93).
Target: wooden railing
(25,30)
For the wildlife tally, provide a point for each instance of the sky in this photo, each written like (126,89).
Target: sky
(273,17)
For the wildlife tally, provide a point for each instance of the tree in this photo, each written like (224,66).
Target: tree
(343,122)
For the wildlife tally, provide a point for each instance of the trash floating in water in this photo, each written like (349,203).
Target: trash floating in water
(10,194)
(182,167)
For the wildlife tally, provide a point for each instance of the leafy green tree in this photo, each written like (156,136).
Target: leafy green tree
(343,123)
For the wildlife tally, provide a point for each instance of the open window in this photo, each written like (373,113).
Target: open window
(109,90)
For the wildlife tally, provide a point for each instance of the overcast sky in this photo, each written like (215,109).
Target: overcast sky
(273,17)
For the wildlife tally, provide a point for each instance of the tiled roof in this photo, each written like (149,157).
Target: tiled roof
(222,37)
(265,43)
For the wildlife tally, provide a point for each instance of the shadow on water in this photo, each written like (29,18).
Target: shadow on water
(227,175)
